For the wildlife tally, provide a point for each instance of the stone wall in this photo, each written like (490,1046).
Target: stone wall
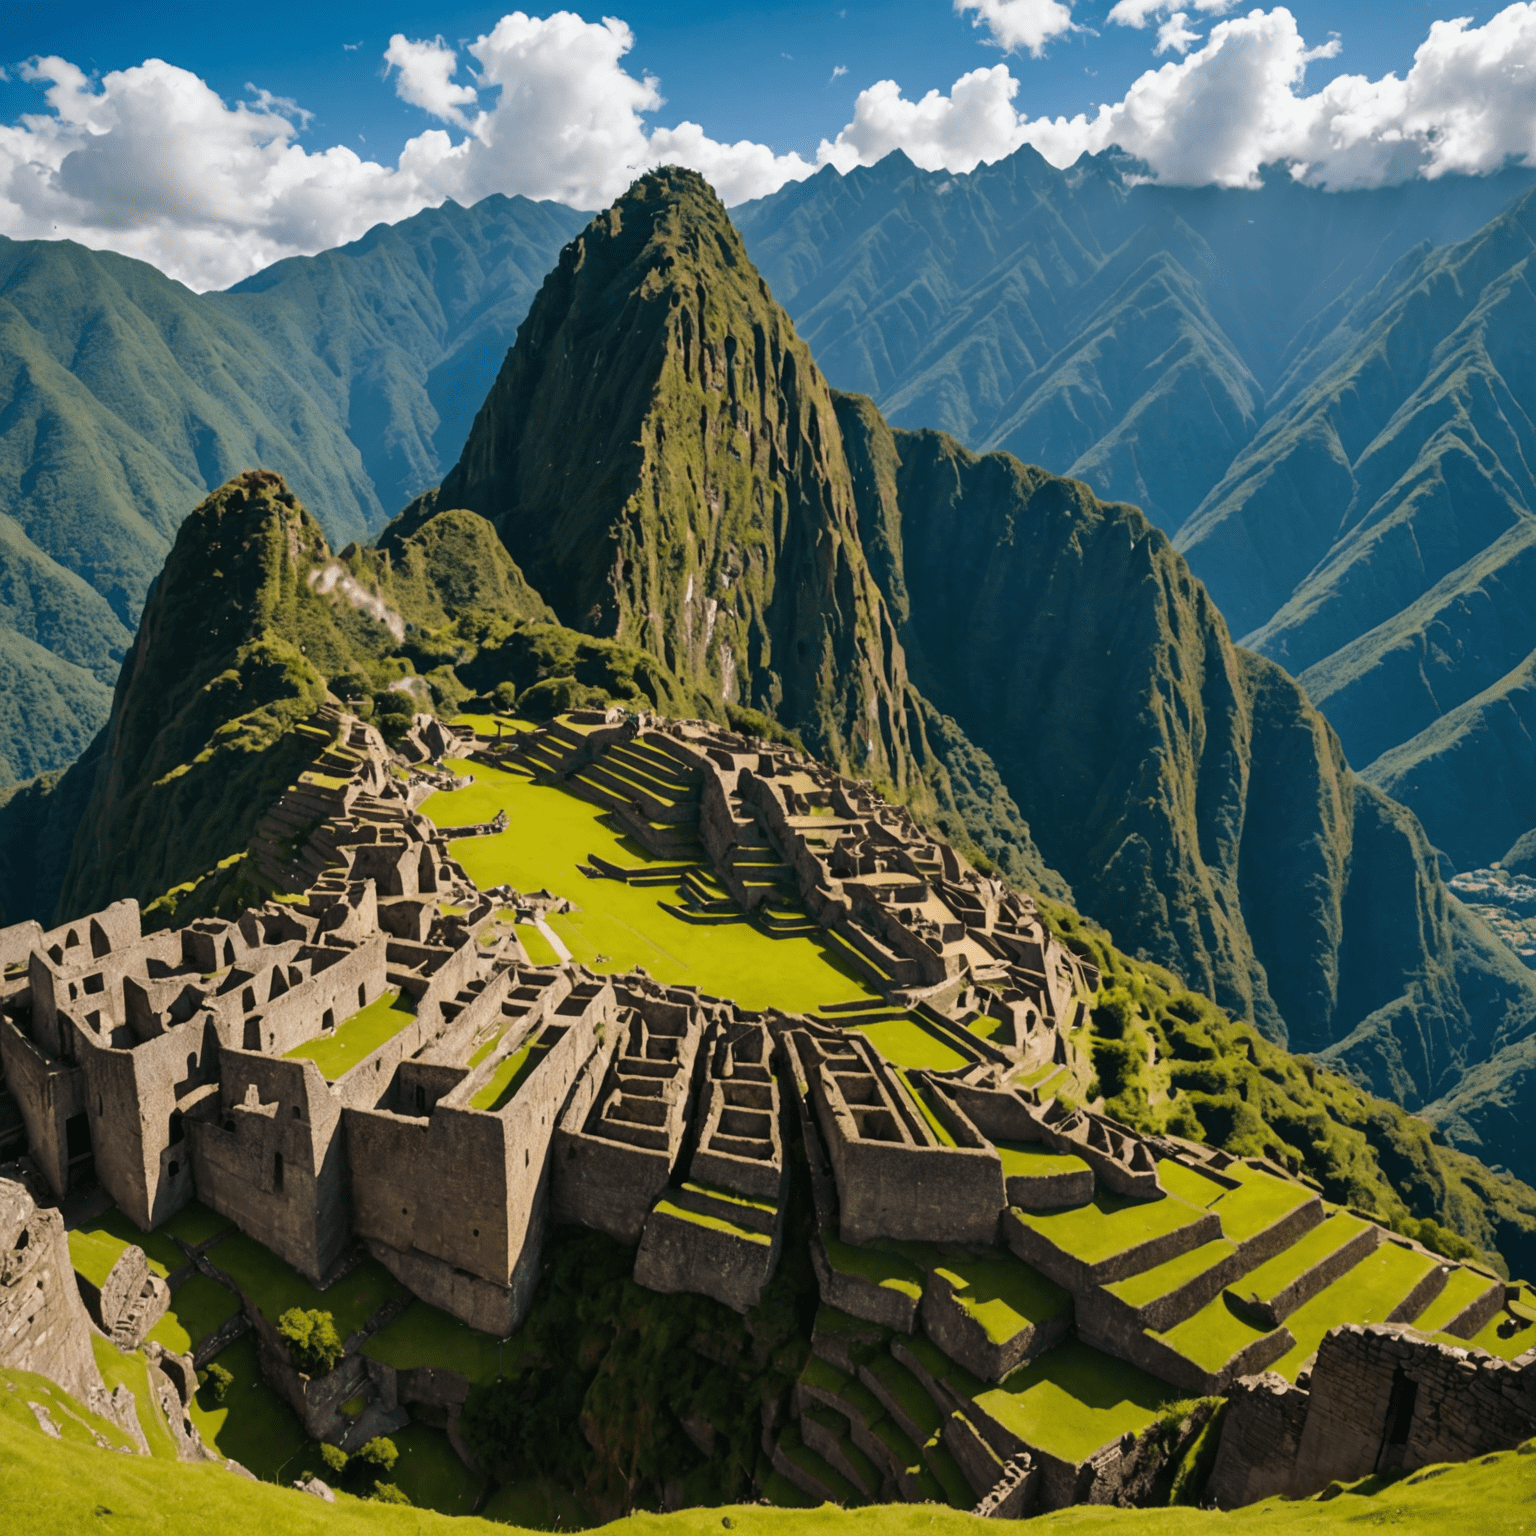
(43,1323)
(274,1161)
(1382,1398)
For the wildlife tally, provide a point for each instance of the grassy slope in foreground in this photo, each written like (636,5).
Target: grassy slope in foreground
(47,1486)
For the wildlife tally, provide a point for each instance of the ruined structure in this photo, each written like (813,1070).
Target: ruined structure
(373,1064)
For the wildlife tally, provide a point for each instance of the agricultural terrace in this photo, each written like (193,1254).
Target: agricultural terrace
(357,1037)
(618,926)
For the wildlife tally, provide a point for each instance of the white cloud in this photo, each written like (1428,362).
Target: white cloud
(1137,13)
(151,161)
(1468,104)
(1175,34)
(426,78)
(1027,24)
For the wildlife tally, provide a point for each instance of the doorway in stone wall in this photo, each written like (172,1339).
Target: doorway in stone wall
(79,1152)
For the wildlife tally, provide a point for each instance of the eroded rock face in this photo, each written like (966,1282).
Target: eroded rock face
(43,1323)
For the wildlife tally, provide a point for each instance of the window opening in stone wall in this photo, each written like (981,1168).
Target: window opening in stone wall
(100,944)
(73,941)
(177,1132)
(421,1099)
(100,1108)
(175,1168)
(328,1019)
(191,1062)
(362,995)
(277,1170)
(248,999)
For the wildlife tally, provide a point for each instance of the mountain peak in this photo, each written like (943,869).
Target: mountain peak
(662,458)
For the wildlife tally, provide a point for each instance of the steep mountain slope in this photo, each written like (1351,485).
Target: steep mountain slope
(660,455)
(1108,328)
(403,330)
(1196,802)
(124,398)
(1328,403)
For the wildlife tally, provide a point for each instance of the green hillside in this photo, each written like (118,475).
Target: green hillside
(127,398)
(60,1485)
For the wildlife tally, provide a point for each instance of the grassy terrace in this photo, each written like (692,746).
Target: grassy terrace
(1367,1294)
(1506,1335)
(1138,1290)
(95,1245)
(1462,1288)
(873,1265)
(907,1042)
(502,1085)
(1003,1295)
(253,1425)
(275,1286)
(620,926)
(425,1336)
(1270,1278)
(714,1223)
(1072,1399)
(1213,1335)
(199,1308)
(1108,1224)
(1035,1160)
(356,1038)
(925,1109)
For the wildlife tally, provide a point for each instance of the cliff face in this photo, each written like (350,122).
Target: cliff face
(662,458)
(1195,801)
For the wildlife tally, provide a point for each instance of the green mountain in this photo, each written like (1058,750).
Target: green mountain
(715,532)
(1325,397)
(126,398)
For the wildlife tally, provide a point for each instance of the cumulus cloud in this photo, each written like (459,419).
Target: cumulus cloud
(152,162)
(1468,104)
(425,78)
(1027,24)
(1138,13)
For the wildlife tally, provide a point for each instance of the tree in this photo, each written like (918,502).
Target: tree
(314,1346)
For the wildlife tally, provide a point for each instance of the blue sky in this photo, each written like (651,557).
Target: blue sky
(742,70)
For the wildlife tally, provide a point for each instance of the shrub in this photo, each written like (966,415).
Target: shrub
(503,696)
(379,1455)
(314,1346)
(389,1493)
(216,1382)
(335,1460)
(555,695)
(1113,1016)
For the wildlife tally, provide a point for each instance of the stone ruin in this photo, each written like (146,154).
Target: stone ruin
(216,1060)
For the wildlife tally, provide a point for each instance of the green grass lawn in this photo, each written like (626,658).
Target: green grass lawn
(194,1223)
(1035,1160)
(1462,1288)
(1073,1399)
(552,832)
(875,1265)
(539,950)
(1270,1278)
(1108,1224)
(1138,1290)
(199,1307)
(132,1371)
(430,1473)
(1259,1201)
(356,1038)
(535,1505)
(1003,1294)
(908,1043)
(1213,1335)
(490,726)
(1504,1336)
(510,1075)
(253,1425)
(424,1335)
(1365,1295)
(50,1486)
(275,1286)
(96,1245)
(714,1223)
(1189,1184)
(75,1422)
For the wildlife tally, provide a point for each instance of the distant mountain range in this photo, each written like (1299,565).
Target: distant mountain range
(1324,398)
(662,500)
